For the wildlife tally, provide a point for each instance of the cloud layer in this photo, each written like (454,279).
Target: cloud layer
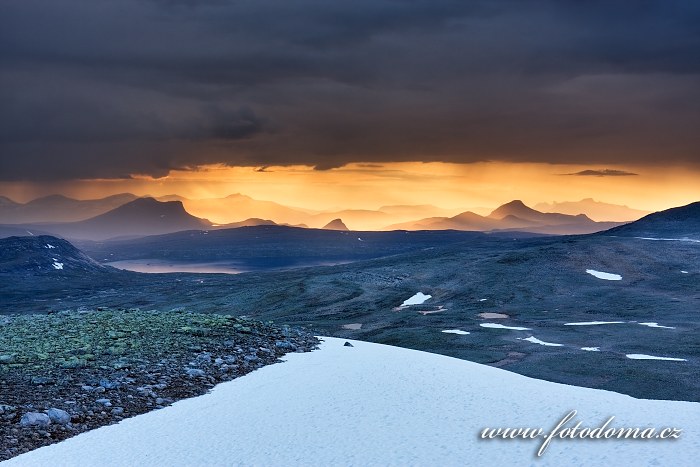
(109,88)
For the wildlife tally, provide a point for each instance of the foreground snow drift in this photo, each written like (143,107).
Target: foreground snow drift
(373,404)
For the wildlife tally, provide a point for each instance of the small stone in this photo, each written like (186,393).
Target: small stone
(348,344)
(117,411)
(35,419)
(285,345)
(104,402)
(42,380)
(86,388)
(58,416)
(195,372)
(6,359)
(105,383)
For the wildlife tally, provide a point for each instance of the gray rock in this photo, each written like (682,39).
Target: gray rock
(285,345)
(105,383)
(195,372)
(35,419)
(42,380)
(6,359)
(58,416)
(348,344)
(104,402)
(117,411)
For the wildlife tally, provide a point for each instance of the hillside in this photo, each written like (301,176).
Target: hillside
(676,223)
(44,255)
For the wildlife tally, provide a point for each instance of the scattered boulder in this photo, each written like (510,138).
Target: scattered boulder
(58,416)
(348,344)
(195,372)
(35,419)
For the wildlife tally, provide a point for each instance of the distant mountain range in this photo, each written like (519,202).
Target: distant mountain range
(596,210)
(127,215)
(511,216)
(58,208)
(677,223)
(140,217)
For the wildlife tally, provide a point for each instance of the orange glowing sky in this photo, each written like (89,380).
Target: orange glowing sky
(369,186)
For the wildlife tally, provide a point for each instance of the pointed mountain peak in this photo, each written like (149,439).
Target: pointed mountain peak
(336,224)
(514,208)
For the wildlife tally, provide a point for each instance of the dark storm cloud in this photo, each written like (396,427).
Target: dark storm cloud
(108,88)
(603,173)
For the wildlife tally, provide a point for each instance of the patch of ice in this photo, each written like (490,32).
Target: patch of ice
(594,323)
(639,356)
(360,239)
(352,326)
(500,326)
(417,299)
(656,325)
(483,299)
(535,340)
(604,275)
(49,246)
(57,265)
(455,331)
(490,315)
(684,272)
(591,349)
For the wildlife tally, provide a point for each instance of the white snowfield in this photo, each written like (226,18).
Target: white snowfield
(374,404)
(593,323)
(604,275)
(417,299)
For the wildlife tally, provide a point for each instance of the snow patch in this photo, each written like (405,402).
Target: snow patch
(417,299)
(500,326)
(656,325)
(604,275)
(489,315)
(57,265)
(684,272)
(535,340)
(49,246)
(639,356)
(455,331)
(591,349)
(352,326)
(594,323)
(360,239)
